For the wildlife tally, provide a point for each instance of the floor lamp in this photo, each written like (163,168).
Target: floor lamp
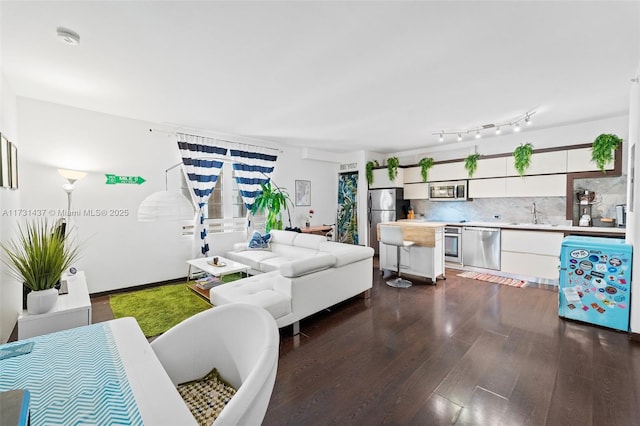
(72,176)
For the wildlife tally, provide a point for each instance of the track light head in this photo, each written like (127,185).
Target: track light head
(516,127)
(441,136)
(527,120)
(498,131)
(459,137)
(478,136)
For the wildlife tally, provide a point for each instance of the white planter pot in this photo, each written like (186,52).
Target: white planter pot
(42,301)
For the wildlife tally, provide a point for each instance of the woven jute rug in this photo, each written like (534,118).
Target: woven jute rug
(494,279)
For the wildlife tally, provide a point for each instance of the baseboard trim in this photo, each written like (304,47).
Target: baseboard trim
(136,287)
(634,336)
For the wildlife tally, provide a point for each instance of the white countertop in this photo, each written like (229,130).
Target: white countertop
(538,227)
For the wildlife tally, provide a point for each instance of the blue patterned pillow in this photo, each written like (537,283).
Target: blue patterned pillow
(259,242)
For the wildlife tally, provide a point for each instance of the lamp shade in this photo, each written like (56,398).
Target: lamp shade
(72,175)
(164,206)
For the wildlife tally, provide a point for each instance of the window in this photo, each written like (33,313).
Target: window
(225,211)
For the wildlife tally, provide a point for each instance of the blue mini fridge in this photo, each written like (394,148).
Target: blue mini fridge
(595,281)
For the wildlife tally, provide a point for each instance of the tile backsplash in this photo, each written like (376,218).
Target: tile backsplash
(609,192)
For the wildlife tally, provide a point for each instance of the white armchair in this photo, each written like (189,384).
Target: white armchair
(241,341)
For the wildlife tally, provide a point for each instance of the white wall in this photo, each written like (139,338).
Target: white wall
(120,252)
(10,288)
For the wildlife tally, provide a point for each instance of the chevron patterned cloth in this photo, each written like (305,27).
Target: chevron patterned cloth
(75,377)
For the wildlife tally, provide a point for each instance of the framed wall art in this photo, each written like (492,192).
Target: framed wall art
(303,193)
(13,165)
(5,171)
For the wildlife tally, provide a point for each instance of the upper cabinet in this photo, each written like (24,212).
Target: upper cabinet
(490,167)
(544,163)
(381,179)
(448,171)
(413,175)
(536,186)
(416,191)
(579,160)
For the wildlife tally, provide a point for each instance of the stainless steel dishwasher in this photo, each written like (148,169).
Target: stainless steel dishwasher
(481,247)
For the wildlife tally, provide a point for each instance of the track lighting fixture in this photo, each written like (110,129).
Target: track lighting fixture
(497,127)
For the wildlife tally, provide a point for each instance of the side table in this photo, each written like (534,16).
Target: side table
(71,310)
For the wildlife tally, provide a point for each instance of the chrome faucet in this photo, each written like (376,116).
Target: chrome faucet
(534,213)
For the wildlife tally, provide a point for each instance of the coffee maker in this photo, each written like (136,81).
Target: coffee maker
(621,215)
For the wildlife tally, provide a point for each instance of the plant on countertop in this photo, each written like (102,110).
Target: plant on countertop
(471,163)
(369,172)
(271,201)
(425,164)
(522,158)
(39,255)
(392,167)
(602,149)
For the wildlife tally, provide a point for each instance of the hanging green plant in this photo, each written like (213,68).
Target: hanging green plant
(425,164)
(392,167)
(602,149)
(471,163)
(522,158)
(369,172)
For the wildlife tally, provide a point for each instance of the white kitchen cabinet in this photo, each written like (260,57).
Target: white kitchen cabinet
(491,167)
(536,186)
(416,191)
(531,253)
(543,163)
(416,260)
(448,171)
(579,160)
(487,188)
(413,175)
(381,179)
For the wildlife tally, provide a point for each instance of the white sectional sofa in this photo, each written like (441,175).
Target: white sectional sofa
(299,275)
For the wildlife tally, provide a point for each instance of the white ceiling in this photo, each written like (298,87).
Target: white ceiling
(340,76)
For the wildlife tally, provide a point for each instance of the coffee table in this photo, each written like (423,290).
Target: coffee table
(224,267)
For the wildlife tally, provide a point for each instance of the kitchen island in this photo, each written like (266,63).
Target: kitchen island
(425,258)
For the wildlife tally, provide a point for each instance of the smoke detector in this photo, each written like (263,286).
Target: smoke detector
(68,37)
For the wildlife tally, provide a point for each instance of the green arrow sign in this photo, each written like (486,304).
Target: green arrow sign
(113,179)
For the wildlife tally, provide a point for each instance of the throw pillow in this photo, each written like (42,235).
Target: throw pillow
(259,242)
(206,397)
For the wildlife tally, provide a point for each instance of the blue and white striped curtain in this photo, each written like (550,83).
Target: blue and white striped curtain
(252,169)
(202,175)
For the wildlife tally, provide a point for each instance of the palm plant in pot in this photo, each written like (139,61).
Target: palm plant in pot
(38,256)
(271,201)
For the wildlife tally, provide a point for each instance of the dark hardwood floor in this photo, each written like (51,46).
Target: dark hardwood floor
(463,352)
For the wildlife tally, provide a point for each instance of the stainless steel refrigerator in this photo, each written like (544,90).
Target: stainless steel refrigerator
(384,205)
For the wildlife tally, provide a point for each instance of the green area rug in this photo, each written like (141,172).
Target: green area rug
(159,308)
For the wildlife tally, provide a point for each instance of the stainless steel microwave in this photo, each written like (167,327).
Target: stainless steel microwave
(448,191)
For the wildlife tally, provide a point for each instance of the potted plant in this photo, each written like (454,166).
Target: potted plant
(38,256)
(271,201)
(522,158)
(602,149)
(471,163)
(369,172)
(392,167)
(425,164)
